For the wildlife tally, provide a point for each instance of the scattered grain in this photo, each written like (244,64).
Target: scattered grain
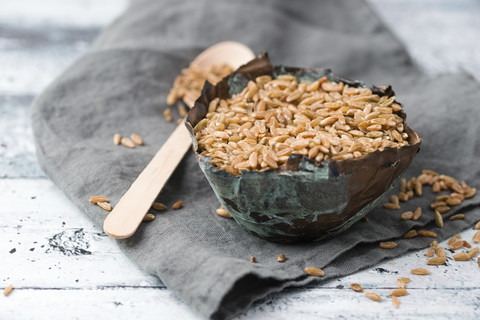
(116,139)
(472,253)
(457,244)
(476,237)
(436,261)
(395,302)
(96,199)
(458,216)
(433,244)
(159,206)
(420,271)
(410,234)
(314,272)
(466,244)
(429,253)
(402,282)
(388,245)
(148,217)
(7,290)
(253,259)
(356,287)
(177,205)
(461,257)
(394,199)
(105,206)
(443,209)
(417,214)
(223,212)
(281,258)
(391,206)
(126,142)
(477,225)
(403,196)
(453,201)
(136,139)
(407,215)
(438,219)
(470,193)
(440,252)
(398,292)
(427,233)
(373,296)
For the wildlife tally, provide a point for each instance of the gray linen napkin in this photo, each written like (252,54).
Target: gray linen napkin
(121,85)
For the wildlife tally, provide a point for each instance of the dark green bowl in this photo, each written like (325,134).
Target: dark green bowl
(302,200)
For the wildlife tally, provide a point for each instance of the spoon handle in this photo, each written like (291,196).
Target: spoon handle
(127,215)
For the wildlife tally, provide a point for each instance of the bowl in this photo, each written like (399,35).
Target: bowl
(303,199)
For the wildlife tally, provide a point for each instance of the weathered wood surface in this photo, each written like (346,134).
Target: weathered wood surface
(87,275)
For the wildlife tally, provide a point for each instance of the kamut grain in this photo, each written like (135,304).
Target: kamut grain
(466,244)
(126,142)
(407,215)
(470,193)
(136,139)
(253,259)
(373,296)
(403,197)
(436,261)
(96,199)
(159,206)
(429,253)
(461,257)
(476,237)
(438,218)
(148,217)
(356,287)
(440,252)
(458,216)
(420,271)
(443,209)
(323,124)
(314,272)
(402,282)
(177,205)
(410,234)
(417,214)
(395,302)
(224,213)
(437,204)
(116,139)
(105,206)
(388,245)
(398,292)
(433,244)
(281,258)
(427,233)
(391,206)
(472,253)
(8,290)
(457,244)
(453,201)
(394,199)
(477,225)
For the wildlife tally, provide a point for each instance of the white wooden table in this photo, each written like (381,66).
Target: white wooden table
(62,267)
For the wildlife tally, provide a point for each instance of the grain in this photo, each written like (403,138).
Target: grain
(159,206)
(394,199)
(402,282)
(223,212)
(126,142)
(476,237)
(477,225)
(7,290)
(373,296)
(458,216)
(457,244)
(437,204)
(334,121)
(470,193)
(281,258)
(136,139)
(417,214)
(418,189)
(438,219)
(440,252)
(148,217)
(116,139)
(356,287)
(167,114)
(426,233)
(436,261)
(466,244)
(403,196)
(433,244)
(410,234)
(429,253)
(253,259)
(391,206)
(472,253)
(420,271)
(314,272)
(96,199)
(177,205)
(478,262)
(453,201)
(403,185)
(407,215)
(429,172)
(442,209)
(190,82)
(388,245)
(395,302)
(461,257)
(398,292)
(105,206)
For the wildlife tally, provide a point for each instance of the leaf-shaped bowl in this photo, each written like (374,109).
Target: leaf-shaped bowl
(302,200)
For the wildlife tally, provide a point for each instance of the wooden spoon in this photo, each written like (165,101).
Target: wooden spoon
(127,215)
